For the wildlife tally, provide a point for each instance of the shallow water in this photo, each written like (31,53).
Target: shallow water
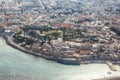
(15,64)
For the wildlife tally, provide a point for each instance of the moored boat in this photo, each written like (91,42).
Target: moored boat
(69,61)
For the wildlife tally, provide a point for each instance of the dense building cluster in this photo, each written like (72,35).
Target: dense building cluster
(85,29)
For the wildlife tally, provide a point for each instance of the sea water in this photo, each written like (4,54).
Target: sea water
(17,65)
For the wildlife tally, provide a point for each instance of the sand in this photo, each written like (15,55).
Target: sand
(115,75)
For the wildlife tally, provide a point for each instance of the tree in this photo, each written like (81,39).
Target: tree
(56,34)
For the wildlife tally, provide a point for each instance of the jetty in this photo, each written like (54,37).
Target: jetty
(111,66)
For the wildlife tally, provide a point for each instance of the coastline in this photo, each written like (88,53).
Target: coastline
(91,72)
(109,78)
(12,44)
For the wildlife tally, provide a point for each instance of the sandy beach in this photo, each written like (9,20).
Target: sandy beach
(111,78)
(115,75)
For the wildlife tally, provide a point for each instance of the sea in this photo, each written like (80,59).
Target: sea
(17,65)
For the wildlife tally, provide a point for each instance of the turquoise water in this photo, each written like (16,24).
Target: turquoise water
(14,62)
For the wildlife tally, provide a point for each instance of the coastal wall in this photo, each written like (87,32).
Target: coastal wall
(12,44)
(84,60)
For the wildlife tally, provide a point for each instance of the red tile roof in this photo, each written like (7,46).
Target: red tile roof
(85,52)
(67,25)
(2,24)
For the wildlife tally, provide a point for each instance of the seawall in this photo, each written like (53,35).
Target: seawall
(14,45)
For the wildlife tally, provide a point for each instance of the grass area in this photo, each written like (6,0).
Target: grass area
(50,32)
(53,34)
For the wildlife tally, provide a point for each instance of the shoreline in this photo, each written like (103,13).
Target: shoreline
(103,76)
(26,51)
(12,44)
(109,78)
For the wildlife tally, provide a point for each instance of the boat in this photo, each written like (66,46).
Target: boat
(69,61)
(109,72)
